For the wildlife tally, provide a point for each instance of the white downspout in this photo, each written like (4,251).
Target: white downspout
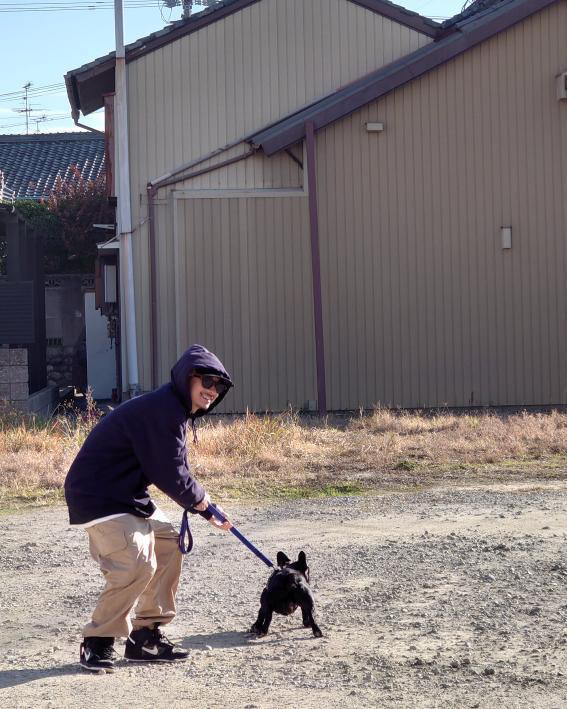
(124,215)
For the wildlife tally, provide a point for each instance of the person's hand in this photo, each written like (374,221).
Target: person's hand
(217,524)
(205,502)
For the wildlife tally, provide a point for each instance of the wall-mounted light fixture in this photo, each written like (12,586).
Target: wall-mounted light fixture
(374,127)
(506,236)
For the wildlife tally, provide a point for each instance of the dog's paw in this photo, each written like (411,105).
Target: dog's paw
(255,630)
(317,633)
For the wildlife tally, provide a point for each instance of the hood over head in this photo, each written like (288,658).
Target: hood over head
(197,359)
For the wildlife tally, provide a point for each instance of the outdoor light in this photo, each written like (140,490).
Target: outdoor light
(506,235)
(374,127)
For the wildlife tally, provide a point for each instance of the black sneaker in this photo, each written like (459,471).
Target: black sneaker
(97,654)
(151,645)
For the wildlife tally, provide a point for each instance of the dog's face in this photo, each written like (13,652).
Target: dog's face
(283,561)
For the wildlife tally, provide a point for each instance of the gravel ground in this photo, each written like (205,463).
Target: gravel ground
(453,597)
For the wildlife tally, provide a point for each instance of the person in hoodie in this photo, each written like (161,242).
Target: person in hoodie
(141,442)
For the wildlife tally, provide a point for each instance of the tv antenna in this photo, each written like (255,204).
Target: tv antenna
(187,5)
(27,109)
(38,120)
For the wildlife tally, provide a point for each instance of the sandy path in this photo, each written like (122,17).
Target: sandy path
(446,598)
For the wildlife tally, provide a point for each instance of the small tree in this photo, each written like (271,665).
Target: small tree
(78,203)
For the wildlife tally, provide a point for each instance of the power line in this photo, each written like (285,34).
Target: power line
(56,117)
(33,89)
(38,94)
(77,5)
(69,3)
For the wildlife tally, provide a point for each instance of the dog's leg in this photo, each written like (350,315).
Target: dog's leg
(307,608)
(267,620)
(264,619)
(259,624)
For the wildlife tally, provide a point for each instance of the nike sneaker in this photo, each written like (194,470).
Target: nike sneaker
(97,654)
(151,645)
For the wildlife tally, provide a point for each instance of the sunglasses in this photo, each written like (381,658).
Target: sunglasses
(211,382)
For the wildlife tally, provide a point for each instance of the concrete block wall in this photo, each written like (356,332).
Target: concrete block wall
(14,385)
(14,375)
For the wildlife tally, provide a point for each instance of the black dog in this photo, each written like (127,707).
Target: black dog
(286,590)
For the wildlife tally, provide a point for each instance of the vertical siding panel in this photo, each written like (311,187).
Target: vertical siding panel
(550,135)
(558,19)
(324,169)
(542,102)
(369,361)
(476,241)
(386,45)
(394,264)
(523,229)
(357,309)
(325,42)
(426,216)
(298,30)
(380,181)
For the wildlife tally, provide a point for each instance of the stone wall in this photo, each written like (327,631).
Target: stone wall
(60,365)
(14,375)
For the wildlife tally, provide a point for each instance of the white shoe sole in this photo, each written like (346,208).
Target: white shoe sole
(158,659)
(98,670)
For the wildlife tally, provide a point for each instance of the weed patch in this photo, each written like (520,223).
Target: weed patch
(290,456)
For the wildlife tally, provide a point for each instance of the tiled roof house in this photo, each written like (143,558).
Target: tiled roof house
(30,164)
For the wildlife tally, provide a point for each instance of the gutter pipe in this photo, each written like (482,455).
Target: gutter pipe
(124,214)
(75,116)
(316,268)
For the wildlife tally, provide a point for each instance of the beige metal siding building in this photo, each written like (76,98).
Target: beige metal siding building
(422,304)
(382,279)
(246,71)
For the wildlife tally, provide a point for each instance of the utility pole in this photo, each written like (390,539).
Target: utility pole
(123,211)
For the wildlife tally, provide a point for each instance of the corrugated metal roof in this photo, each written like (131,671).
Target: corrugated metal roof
(32,163)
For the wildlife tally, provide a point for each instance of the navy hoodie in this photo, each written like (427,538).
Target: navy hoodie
(141,442)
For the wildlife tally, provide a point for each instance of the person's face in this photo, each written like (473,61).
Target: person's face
(203,396)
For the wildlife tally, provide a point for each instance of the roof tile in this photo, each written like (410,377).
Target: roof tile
(32,163)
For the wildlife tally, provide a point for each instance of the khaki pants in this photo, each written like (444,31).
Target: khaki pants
(141,563)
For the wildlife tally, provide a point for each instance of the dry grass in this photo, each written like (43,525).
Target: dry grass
(36,454)
(288,455)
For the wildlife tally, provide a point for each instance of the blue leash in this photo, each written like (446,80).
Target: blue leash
(186,538)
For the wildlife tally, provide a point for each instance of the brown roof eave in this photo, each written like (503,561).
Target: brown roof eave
(86,88)
(291,130)
(72,96)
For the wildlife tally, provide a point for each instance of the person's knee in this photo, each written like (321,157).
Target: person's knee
(146,568)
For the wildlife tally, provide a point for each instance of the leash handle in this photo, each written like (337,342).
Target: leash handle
(185,537)
(219,515)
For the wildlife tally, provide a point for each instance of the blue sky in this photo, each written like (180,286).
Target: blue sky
(40,47)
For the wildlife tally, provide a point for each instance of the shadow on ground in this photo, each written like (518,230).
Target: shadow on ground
(12,678)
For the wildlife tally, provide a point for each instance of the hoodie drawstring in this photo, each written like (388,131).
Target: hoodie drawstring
(194,429)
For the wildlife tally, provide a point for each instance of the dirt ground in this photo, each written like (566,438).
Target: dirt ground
(451,597)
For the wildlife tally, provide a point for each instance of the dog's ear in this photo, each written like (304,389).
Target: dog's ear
(282,559)
(302,561)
